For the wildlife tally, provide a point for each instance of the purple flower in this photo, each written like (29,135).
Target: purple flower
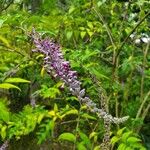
(54,62)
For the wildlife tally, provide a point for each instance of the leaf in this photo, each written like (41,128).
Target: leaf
(114,139)
(4,112)
(81,146)
(52,113)
(72,8)
(3,132)
(67,136)
(97,148)
(92,135)
(99,74)
(122,146)
(82,33)
(120,131)
(137,145)
(85,139)
(69,34)
(142,148)
(70,112)
(87,116)
(90,25)
(40,117)
(101,2)
(16,80)
(42,72)
(133,140)
(129,148)
(90,33)
(1,22)
(5,41)
(9,86)
(126,135)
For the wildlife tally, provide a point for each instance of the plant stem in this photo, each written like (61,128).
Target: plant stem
(77,129)
(142,105)
(143,70)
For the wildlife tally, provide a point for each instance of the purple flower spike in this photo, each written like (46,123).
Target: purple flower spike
(54,62)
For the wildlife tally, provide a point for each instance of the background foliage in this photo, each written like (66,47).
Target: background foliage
(107,39)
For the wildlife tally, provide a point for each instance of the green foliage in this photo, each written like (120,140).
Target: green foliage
(46,130)
(126,139)
(67,136)
(96,37)
(4,115)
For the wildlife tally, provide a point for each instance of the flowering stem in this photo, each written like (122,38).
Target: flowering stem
(55,64)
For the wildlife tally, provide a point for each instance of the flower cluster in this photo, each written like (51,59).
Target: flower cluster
(4,146)
(55,64)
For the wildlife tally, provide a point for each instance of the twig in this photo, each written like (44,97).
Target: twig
(143,70)
(6,7)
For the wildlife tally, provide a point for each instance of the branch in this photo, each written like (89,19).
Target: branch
(6,7)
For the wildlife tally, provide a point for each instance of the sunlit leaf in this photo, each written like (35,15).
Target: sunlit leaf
(67,137)
(3,132)
(122,146)
(70,112)
(8,86)
(120,131)
(5,41)
(16,80)
(81,146)
(82,33)
(69,34)
(42,71)
(87,116)
(114,139)
(4,112)
(133,140)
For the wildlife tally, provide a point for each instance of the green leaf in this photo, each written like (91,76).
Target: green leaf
(129,148)
(40,117)
(142,148)
(71,9)
(90,33)
(55,107)
(126,135)
(97,148)
(98,73)
(16,80)
(90,25)
(137,145)
(115,139)
(122,146)
(82,33)
(67,136)
(4,112)
(133,140)
(3,132)
(120,131)
(70,112)
(9,86)
(5,41)
(69,34)
(1,22)
(81,146)
(85,139)
(87,116)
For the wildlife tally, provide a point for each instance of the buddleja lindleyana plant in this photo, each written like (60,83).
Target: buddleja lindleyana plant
(55,65)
